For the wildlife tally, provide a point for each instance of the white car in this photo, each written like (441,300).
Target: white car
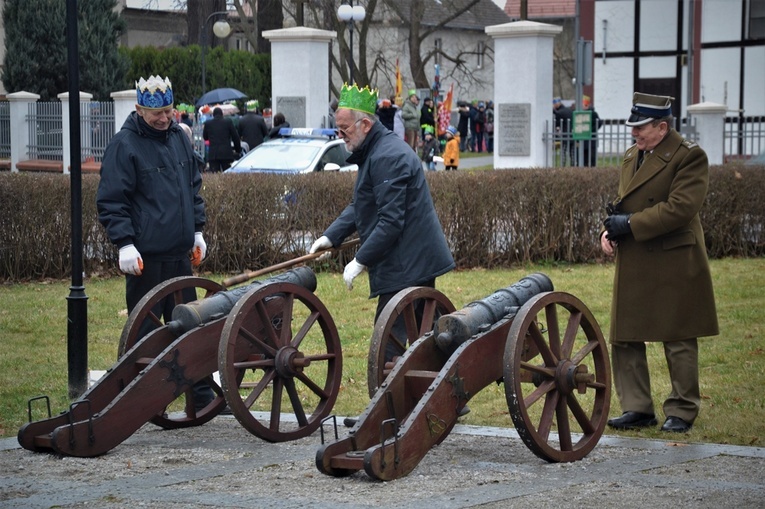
(299,150)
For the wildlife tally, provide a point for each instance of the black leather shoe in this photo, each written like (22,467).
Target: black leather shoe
(633,420)
(676,425)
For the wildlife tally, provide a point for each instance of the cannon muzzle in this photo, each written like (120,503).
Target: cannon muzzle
(455,328)
(199,312)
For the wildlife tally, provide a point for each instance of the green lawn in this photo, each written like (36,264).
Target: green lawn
(33,359)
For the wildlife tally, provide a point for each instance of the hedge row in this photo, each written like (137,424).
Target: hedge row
(491,219)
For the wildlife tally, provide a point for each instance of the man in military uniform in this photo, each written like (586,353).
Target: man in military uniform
(662,284)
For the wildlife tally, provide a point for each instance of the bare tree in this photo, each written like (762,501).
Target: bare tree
(197,13)
(412,13)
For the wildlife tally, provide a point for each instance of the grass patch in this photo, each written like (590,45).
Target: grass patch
(33,359)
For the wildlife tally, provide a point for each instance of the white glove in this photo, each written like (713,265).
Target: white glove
(321,243)
(200,248)
(130,260)
(352,270)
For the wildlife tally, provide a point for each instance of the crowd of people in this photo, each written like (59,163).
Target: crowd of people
(228,136)
(418,126)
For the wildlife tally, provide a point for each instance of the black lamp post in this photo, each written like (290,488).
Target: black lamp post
(221,29)
(350,13)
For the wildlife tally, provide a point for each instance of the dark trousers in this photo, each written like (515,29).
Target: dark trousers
(218,165)
(633,382)
(590,152)
(399,328)
(136,287)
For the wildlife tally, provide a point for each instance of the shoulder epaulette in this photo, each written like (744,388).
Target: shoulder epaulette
(690,144)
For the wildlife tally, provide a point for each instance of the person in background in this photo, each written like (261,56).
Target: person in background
(148,202)
(562,120)
(590,147)
(411,116)
(386,113)
(398,119)
(662,283)
(479,120)
(225,145)
(252,127)
(427,116)
(463,110)
(489,127)
(331,113)
(279,123)
(452,150)
(430,148)
(402,242)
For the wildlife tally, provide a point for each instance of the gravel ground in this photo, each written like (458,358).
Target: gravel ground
(222,465)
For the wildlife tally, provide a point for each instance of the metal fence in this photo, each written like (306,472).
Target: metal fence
(45,131)
(97,128)
(5,130)
(613,138)
(743,137)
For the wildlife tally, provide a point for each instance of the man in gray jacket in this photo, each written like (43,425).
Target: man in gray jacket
(402,242)
(411,115)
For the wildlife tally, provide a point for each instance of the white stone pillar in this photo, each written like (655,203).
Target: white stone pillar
(523,93)
(66,128)
(710,126)
(19,106)
(300,74)
(124,105)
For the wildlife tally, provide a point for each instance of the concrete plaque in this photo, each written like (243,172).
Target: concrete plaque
(293,109)
(514,129)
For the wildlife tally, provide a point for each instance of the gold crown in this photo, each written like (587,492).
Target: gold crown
(360,99)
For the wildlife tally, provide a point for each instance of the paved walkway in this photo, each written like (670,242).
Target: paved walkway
(220,464)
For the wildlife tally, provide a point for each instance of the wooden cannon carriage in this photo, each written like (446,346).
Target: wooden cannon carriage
(546,346)
(273,343)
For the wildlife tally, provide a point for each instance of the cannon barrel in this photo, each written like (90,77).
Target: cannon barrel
(455,328)
(193,314)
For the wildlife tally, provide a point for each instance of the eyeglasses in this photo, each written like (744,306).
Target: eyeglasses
(344,132)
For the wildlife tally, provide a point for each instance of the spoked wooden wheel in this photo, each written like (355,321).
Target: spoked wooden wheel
(285,343)
(420,307)
(181,290)
(557,383)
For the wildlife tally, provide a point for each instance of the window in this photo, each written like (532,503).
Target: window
(481,49)
(757,19)
(438,43)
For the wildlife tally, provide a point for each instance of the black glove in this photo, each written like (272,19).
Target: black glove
(617,225)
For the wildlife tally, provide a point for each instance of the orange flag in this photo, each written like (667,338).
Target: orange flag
(399,82)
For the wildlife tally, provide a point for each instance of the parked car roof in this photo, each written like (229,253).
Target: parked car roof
(298,150)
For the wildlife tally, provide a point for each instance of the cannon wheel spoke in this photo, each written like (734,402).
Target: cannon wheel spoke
(404,305)
(298,373)
(559,398)
(144,318)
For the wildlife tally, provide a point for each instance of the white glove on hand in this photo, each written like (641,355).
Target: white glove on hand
(130,260)
(199,242)
(352,270)
(321,243)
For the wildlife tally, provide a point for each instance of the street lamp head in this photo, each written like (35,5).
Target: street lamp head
(358,13)
(345,12)
(221,29)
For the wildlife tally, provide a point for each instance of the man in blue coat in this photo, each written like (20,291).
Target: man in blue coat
(402,242)
(149,203)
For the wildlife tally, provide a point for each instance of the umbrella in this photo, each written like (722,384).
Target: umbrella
(220,95)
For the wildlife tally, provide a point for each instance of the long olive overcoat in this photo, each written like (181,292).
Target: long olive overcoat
(662,285)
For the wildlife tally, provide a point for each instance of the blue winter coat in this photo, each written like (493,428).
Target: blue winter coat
(149,190)
(402,242)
